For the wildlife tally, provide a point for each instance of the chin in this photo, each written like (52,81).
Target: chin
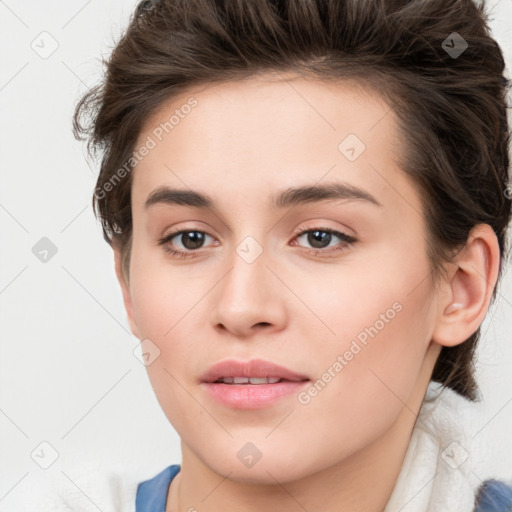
(279,466)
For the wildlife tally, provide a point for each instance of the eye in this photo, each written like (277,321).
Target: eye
(191,239)
(320,238)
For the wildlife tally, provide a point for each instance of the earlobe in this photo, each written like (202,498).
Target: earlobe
(469,288)
(125,289)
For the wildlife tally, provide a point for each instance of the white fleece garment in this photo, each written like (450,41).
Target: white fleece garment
(438,473)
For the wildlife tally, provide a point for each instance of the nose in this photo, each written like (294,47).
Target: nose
(249,298)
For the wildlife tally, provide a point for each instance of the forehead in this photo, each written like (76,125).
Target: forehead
(283,102)
(267,132)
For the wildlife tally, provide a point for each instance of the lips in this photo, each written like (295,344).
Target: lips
(242,394)
(256,368)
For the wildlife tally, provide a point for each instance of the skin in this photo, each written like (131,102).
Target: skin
(243,142)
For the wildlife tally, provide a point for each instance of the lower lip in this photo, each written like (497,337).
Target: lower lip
(252,396)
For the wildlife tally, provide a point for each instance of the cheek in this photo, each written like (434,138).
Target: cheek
(163,296)
(167,307)
(368,371)
(377,325)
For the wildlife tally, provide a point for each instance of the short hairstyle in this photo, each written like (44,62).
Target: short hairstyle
(450,106)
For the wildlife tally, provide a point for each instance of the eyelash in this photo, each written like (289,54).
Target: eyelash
(348,241)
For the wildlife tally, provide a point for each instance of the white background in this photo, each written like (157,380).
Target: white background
(68,374)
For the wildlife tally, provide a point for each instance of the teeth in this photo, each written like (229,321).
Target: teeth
(251,380)
(261,380)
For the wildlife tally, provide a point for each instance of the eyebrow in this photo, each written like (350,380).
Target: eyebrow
(283,199)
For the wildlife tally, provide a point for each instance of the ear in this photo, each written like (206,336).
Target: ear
(125,289)
(468,288)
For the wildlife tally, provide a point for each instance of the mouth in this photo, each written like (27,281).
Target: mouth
(250,385)
(253,380)
(254,371)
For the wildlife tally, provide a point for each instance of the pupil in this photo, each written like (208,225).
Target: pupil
(196,237)
(315,237)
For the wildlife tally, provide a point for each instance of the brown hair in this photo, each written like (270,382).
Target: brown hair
(451,106)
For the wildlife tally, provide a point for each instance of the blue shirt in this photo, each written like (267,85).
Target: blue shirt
(152,493)
(493,496)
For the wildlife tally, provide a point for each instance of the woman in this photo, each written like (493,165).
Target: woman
(307,202)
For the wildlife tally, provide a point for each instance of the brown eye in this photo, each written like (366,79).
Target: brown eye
(190,240)
(321,238)
(318,239)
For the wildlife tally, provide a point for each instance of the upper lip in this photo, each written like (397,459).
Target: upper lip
(252,368)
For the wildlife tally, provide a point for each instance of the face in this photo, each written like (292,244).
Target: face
(347,304)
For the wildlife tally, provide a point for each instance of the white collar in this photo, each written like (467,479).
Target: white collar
(436,474)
